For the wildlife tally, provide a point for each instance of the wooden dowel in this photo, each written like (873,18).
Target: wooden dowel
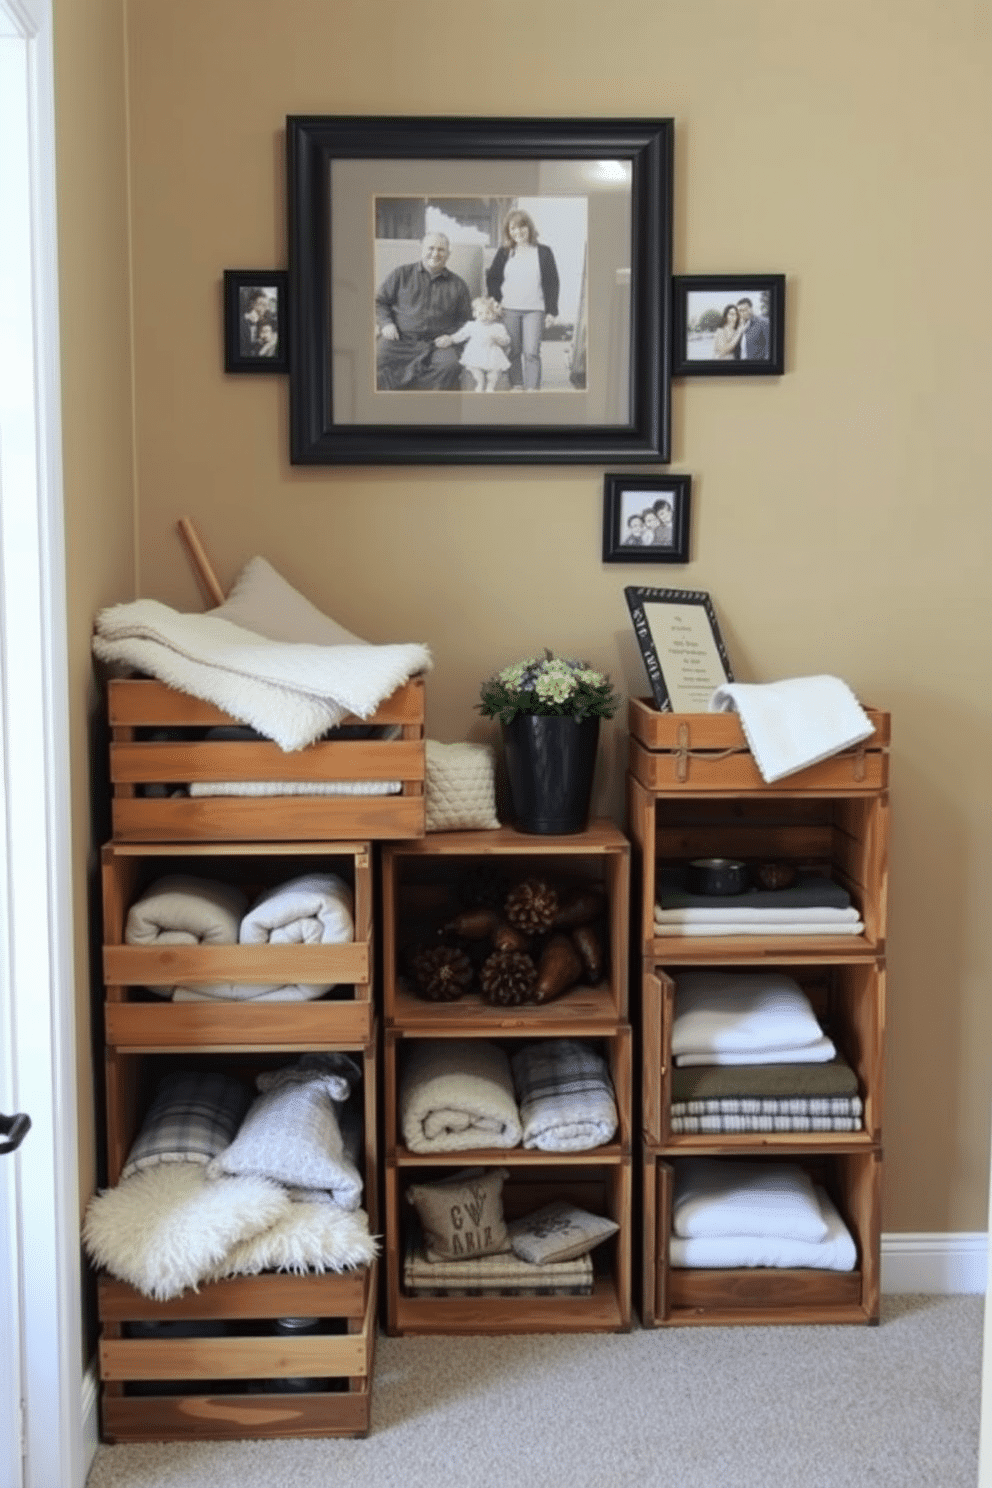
(199,560)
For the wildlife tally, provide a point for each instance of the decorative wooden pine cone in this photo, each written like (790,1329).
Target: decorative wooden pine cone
(507,978)
(531,905)
(441,973)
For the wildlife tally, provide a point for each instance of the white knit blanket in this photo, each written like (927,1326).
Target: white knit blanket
(291,693)
(456,1095)
(795,723)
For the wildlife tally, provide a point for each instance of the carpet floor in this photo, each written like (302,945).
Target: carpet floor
(838,1407)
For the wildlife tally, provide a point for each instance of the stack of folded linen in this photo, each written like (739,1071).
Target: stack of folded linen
(741,1213)
(501,1275)
(750,1055)
(181,909)
(220,1184)
(813,905)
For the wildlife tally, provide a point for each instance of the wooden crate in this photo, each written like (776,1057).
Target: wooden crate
(137,1019)
(422,878)
(139,708)
(672,1297)
(844,836)
(695,752)
(230,1383)
(601,1188)
(849,1001)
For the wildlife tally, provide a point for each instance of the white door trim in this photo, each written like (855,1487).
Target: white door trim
(34,680)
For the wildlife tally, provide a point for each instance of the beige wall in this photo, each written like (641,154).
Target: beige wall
(842,516)
(96,421)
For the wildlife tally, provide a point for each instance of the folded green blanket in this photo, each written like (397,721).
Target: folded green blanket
(763,1081)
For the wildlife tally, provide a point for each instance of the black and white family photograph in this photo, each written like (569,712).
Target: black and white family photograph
(729,327)
(254,315)
(646,518)
(480,294)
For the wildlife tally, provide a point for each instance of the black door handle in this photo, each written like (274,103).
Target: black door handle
(14,1129)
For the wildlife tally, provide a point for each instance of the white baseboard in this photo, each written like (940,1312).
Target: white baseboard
(90,1415)
(940,1263)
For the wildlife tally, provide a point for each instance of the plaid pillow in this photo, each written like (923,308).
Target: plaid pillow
(193,1117)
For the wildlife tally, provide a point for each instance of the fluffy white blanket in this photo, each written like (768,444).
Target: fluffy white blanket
(311,1235)
(290,692)
(795,723)
(456,1095)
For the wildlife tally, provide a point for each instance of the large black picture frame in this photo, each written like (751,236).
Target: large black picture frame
(343,172)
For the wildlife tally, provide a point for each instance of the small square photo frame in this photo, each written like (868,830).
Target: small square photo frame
(728,325)
(255,320)
(646,518)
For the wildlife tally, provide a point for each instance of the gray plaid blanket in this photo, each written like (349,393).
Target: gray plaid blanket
(565,1096)
(192,1118)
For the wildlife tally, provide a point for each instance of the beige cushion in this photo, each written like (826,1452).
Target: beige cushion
(459,787)
(261,600)
(462,1215)
(558,1232)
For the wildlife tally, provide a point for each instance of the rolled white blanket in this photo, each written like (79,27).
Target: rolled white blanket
(457,1095)
(315,909)
(181,909)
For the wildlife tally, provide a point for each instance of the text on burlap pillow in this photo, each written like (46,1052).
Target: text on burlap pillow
(459,787)
(462,1215)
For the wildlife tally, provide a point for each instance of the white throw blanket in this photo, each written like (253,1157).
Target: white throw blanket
(314,909)
(292,693)
(182,909)
(835,1252)
(744,1018)
(457,1095)
(795,723)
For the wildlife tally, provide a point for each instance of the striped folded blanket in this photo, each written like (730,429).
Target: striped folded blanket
(565,1096)
(728,1122)
(500,1275)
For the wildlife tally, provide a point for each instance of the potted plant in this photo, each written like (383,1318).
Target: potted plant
(549,709)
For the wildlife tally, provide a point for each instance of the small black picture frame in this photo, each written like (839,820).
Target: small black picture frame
(718,319)
(646,518)
(256,321)
(681,644)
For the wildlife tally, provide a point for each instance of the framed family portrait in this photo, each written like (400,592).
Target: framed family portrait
(729,325)
(681,644)
(466,290)
(646,518)
(255,320)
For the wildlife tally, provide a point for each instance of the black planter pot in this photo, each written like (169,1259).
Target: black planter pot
(550,764)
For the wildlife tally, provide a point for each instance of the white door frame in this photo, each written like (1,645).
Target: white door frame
(36,907)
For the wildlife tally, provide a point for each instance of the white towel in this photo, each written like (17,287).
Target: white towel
(291,693)
(314,909)
(794,723)
(761,922)
(835,1252)
(740,1013)
(819,1053)
(714,1198)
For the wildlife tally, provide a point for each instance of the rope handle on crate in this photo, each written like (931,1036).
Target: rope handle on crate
(683,754)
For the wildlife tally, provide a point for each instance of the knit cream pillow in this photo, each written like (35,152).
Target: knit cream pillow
(462,1216)
(459,787)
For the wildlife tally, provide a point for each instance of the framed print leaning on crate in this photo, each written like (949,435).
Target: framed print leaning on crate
(479,290)
(681,645)
(728,325)
(255,332)
(646,518)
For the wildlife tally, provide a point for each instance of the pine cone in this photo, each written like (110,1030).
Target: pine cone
(441,973)
(507,978)
(531,905)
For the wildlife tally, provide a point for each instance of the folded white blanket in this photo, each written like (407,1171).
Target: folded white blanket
(290,692)
(819,1053)
(758,924)
(796,722)
(835,1252)
(741,1012)
(714,1197)
(182,909)
(737,915)
(457,1095)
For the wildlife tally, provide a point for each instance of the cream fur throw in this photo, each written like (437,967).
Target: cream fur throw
(167,1228)
(459,787)
(314,1235)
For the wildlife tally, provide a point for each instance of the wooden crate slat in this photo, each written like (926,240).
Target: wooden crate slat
(235,1417)
(168,966)
(277,1026)
(273,1294)
(205,761)
(247,1357)
(285,818)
